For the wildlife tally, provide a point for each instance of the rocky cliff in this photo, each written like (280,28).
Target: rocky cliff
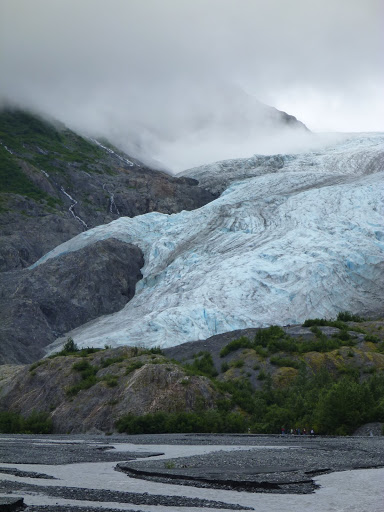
(38,305)
(55,184)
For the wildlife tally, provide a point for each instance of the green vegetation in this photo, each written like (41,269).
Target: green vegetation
(224,367)
(163,423)
(71,349)
(13,180)
(18,128)
(265,338)
(112,360)
(28,141)
(322,402)
(202,365)
(110,380)
(262,375)
(135,365)
(274,339)
(346,316)
(36,365)
(35,423)
(88,377)
(284,361)
(238,363)
(234,345)
(154,350)
(45,145)
(372,338)
(338,324)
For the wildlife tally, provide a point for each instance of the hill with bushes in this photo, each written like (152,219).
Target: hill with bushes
(322,375)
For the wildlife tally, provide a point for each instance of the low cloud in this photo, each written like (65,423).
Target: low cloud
(179,81)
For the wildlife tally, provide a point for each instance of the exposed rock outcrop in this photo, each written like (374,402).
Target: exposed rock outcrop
(38,305)
(55,184)
(124,383)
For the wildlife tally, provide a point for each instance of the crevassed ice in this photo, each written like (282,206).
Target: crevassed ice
(300,236)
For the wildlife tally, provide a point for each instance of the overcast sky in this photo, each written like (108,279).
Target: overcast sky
(154,66)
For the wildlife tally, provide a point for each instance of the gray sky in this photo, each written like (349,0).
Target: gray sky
(149,73)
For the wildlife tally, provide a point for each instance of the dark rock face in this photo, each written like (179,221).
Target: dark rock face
(25,237)
(28,230)
(11,504)
(37,306)
(55,184)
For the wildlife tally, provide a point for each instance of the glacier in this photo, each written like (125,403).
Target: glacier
(290,237)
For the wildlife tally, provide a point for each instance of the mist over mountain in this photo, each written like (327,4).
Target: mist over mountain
(181,83)
(192,132)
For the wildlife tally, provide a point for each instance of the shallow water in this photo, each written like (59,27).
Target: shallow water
(347,491)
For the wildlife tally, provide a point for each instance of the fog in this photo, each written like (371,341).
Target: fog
(180,81)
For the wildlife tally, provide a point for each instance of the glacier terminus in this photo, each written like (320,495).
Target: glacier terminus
(290,237)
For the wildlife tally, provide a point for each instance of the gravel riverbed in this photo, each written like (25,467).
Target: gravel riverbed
(242,463)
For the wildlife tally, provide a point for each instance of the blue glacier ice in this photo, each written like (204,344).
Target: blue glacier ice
(290,237)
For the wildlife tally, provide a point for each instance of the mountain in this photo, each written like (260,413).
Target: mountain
(55,184)
(202,124)
(291,237)
(196,263)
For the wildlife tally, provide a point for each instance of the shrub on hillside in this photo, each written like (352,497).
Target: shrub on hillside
(35,423)
(181,422)
(346,316)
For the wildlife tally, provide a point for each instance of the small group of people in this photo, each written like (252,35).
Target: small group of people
(297,431)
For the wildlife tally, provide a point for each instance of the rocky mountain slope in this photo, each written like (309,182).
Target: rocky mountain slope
(55,184)
(37,306)
(291,237)
(92,392)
